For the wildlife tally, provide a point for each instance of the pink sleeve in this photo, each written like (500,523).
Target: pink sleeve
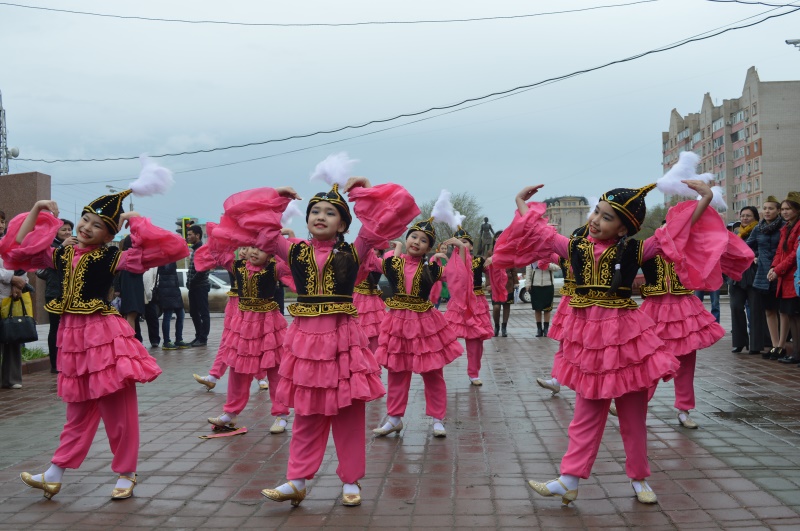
(528,239)
(385,209)
(284,274)
(701,252)
(35,251)
(152,247)
(436,291)
(217,252)
(498,278)
(459,279)
(369,264)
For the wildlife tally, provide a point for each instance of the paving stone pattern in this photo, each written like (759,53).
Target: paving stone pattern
(739,470)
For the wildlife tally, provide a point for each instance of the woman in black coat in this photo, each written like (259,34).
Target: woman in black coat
(170,301)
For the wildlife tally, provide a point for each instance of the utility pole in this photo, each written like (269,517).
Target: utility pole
(5,152)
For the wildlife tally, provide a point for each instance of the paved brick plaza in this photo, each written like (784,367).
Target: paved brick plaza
(741,469)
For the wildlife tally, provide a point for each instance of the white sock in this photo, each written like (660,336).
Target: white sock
(124,483)
(210,379)
(571,482)
(299,484)
(683,415)
(639,485)
(391,422)
(552,381)
(473,379)
(227,417)
(262,382)
(350,488)
(438,424)
(283,421)
(52,475)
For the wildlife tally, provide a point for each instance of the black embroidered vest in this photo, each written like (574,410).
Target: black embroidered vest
(234,291)
(369,286)
(593,278)
(84,288)
(421,284)
(656,271)
(477,274)
(323,295)
(256,290)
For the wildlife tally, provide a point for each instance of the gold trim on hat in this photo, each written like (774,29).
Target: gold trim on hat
(623,207)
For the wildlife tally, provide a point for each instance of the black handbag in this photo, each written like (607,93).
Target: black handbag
(18,328)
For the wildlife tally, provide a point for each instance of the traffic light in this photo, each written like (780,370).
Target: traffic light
(183,225)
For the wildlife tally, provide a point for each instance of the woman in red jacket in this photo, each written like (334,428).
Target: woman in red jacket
(783,267)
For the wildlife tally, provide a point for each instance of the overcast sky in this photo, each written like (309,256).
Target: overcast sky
(77,86)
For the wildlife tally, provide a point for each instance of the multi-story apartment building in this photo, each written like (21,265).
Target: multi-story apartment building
(567,213)
(751,144)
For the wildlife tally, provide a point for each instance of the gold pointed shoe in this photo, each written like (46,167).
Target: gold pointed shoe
(277,427)
(123,494)
(687,423)
(296,496)
(381,432)
(199,379)
(439,433)
(612,410)
(547,385)
(646,495)
(263,385)
(50,489)
(216,421)
(541,489)
(352,500)
(476,382)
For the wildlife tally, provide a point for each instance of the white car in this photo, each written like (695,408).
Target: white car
(525,296)
(217,296)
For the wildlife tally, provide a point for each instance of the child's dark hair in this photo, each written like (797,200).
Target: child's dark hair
(616,280)
(2,215)
(342,259)
(126,243)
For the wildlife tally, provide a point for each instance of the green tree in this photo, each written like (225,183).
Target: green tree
(655,215)
(466,204)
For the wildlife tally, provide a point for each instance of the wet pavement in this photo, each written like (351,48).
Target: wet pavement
(741,469)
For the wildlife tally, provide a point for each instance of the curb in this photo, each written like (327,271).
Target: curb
(39,364)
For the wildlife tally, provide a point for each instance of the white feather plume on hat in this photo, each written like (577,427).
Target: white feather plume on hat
(335,169)
(291,212)
(153,179)
(444,212)
(718,200)
(685,169)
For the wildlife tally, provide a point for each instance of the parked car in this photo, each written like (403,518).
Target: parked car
(525,296)
(217,296)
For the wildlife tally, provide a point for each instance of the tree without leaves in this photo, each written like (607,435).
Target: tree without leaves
(466,204)
(655,215)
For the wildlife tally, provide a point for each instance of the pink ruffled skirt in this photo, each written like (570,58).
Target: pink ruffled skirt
(417,342)
(256,341)
(682,323)
(98,355)
(327,366)
(371,312)
(606,353)
(226,343)
(474,324)
(563,311)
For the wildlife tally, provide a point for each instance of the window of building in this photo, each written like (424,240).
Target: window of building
(718,124)
(747,150)
(757,183)
(755,128)
(738,153)
(755,146)
(755,164)
(738,171)
(755,109)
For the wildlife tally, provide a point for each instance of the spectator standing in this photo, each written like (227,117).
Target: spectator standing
(783,267)
(170,301)
(742,294)
(764,241)
(52,290)
(129,287)
(150,280)
(11,285)
(198,285)
(539,282)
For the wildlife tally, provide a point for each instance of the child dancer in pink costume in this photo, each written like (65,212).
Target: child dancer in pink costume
(371,308)
(609,350)
(256,332)
(232,312)
(682,323)
(468,310)
(328,372)
(99,360)
(415,337)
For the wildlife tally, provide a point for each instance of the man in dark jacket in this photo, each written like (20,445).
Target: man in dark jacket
(53,289)
(198,285)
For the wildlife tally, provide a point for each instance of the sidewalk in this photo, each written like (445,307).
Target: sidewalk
(741,469)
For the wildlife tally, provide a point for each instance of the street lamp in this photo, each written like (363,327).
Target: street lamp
(115,191)
(793,42)
(5,151)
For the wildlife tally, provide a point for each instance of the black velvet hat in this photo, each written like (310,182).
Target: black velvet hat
(425,226)
(461,234)
(109,208)
(629,204)
(335,198)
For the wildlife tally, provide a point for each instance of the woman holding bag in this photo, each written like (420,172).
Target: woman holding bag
(11,287)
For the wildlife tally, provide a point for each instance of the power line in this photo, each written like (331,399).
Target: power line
(323,24)
(749,3)
(507,92)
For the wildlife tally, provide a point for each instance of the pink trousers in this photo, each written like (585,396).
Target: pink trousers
(435,393)
(239,392)
(684,383)
(219,367)
(310,437)
(373,344)
(474,355)
(586,432)
(120,414)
